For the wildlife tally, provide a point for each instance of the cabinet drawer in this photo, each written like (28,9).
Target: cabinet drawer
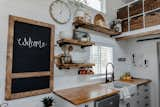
(108,102)
(144,89)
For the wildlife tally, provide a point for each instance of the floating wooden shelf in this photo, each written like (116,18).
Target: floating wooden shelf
(68,66)
(96,28)
(74,42)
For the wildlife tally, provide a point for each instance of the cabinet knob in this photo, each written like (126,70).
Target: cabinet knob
(111,103)
(146,90)
(146,105)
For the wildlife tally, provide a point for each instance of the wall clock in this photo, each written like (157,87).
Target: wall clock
(60,11)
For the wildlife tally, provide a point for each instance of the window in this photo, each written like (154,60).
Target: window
(101,55)
(95,4)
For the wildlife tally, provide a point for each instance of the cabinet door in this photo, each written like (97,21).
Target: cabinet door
(108,102)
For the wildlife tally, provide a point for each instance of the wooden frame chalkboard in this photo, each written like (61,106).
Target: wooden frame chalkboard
(30,54)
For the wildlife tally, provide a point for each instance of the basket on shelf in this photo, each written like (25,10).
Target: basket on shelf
(125,26)
(136,23)
(151,4)
(152,19)
(136,8)
(122,13)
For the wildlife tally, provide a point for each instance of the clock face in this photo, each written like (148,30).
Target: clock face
(60,12)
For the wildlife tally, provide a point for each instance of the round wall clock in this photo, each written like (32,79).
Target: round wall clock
(60,11)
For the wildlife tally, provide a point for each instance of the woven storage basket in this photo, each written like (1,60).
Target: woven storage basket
(122,13)
(125,26)
(151,4)
(136,8)
(136,23)
(152,19)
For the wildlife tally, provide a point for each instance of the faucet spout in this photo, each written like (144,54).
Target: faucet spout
(111,73)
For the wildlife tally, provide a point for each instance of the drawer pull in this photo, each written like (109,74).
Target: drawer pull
(146,105)
(132,95)
(146,97)
(111,103)
(146,90)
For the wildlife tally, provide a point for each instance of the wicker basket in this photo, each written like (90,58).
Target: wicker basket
(136,8)
(136,23)
(151,4)
(152,19)
(125,26)
(122,13)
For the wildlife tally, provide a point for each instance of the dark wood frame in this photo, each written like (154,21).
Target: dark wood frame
(10,75)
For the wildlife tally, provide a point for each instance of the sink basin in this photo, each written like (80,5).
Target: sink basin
(126,89)
(118,85)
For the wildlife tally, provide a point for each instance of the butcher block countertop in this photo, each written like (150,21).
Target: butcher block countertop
(84,94)
(138,81)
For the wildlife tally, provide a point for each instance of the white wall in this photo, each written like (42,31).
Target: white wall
(146,50)
(112,6)
(38,10)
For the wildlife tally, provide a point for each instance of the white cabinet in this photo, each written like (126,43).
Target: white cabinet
(144,96)
(141,99)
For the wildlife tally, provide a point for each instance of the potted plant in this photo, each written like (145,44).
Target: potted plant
(48,101)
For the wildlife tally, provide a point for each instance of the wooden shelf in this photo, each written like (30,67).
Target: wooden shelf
(68,66)
(143,34)
(74,42)
(96,28)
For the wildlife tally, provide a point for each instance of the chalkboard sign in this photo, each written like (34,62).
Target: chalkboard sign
(31,48)
(19,85)
(29,58)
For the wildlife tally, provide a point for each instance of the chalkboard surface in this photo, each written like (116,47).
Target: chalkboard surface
(30,84)
(30,60)
(31,49)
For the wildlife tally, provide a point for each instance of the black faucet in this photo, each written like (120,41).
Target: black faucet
(112,76)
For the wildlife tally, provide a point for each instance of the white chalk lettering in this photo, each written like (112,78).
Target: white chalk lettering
(31,43)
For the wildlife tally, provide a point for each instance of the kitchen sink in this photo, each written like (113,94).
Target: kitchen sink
(126,89)
(118,85)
